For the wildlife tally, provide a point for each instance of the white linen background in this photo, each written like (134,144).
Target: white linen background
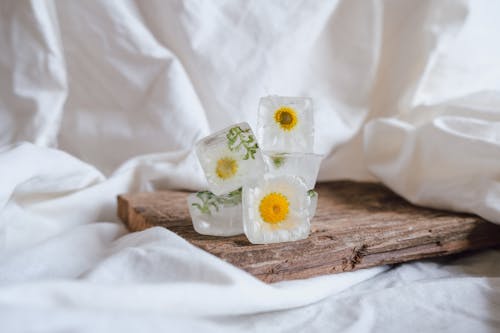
(101,98)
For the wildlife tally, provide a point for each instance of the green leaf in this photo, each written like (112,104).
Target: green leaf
(210,202)
(278,160)
(312,193)
(242,139)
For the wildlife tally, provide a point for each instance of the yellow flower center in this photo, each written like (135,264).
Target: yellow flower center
(226,167)
(274,208)
(286,117)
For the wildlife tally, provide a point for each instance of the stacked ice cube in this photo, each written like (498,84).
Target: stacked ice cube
(264,189)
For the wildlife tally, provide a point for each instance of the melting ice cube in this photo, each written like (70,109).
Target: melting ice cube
(216,215)
(230,158)
(286,124)
(304,165)
(276,209)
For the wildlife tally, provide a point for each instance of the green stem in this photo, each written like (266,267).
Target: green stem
(210,202)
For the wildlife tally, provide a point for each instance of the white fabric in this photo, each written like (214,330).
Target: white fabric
(101,98)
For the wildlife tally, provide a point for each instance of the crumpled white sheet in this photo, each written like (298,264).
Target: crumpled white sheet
(101,98)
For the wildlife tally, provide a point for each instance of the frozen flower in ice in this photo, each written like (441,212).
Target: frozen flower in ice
(276,209)
(304,165)
(286,118)
(216,215)
(286,124)
(230,158)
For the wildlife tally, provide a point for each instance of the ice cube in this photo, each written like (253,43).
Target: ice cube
(286,124)
(230,158)
(216,215)
(276,209)
(304,165)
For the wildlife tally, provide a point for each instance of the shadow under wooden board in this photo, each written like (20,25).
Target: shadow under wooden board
(357,225)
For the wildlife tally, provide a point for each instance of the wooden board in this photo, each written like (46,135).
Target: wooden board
(357,225)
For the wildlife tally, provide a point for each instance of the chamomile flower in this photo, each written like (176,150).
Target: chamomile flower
(286,118)
(230,158)
(276,209)
(286,124)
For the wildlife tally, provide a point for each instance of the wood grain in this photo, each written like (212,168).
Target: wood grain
(357,225)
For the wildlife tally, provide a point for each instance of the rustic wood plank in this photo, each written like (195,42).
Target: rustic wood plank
(357,225)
